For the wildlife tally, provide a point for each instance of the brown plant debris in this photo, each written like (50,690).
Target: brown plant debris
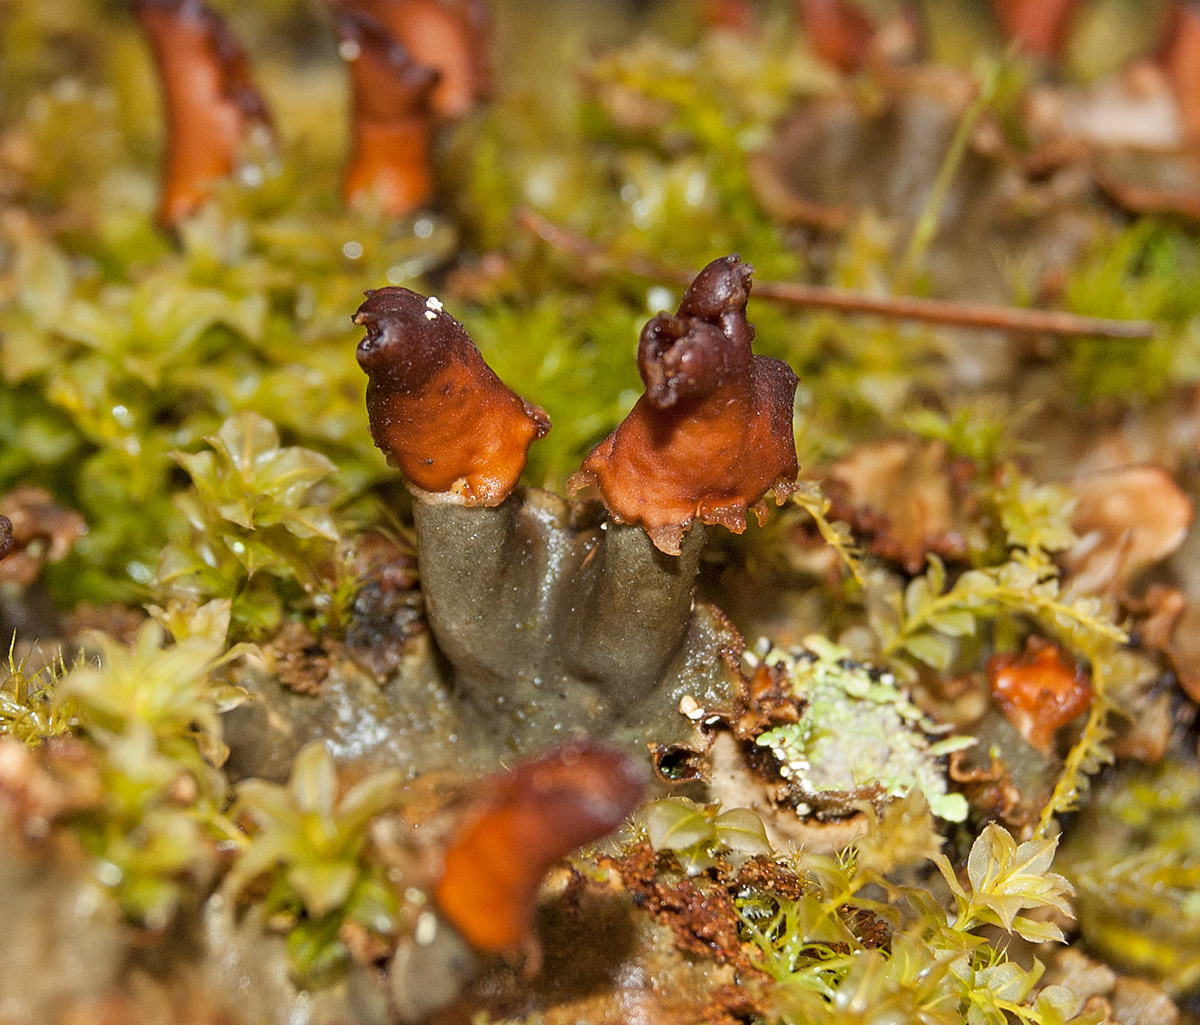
(790,293)
(39,531)
(899,494)
(300,659)
(1127,520)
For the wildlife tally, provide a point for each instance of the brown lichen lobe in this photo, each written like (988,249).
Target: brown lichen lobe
(210,97)
(391,117)
(519,825)
(713,432)
(448,36)
(1039,26)
(839,31)
(436,408)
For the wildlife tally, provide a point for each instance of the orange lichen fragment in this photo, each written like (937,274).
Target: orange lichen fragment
(211,102)
(1039,26)
(840,32)
(523,822)
(713,432)
(1180,60)
(446,36)
(436,408)
(391,118)
(1038,691)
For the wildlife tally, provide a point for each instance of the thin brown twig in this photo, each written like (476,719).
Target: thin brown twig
(927,311)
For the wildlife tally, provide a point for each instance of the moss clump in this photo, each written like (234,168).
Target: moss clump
(1134,857)
(261,522)
(309,843)
(823,949)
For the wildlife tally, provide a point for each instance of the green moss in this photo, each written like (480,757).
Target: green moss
(310,843)
(1150,271)
(698,834)
(261,521)
(197,398)
(1135,859)
(823,947)
(150,714)
(29,710)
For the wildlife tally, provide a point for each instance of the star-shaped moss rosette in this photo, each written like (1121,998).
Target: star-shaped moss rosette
(893,751)
(152,714)
(833,947)
(258,511)
(170,689)
(310,844)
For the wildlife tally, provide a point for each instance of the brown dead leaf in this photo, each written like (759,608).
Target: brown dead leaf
(1184,650)
(898,495)
(41,531)
(1126,520)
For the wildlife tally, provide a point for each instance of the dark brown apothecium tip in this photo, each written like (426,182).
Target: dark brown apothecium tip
(391,117)
(211,101)
(436,408)
(713,432)
(450,37)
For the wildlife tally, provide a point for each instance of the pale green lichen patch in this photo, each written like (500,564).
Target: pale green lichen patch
(892,753)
